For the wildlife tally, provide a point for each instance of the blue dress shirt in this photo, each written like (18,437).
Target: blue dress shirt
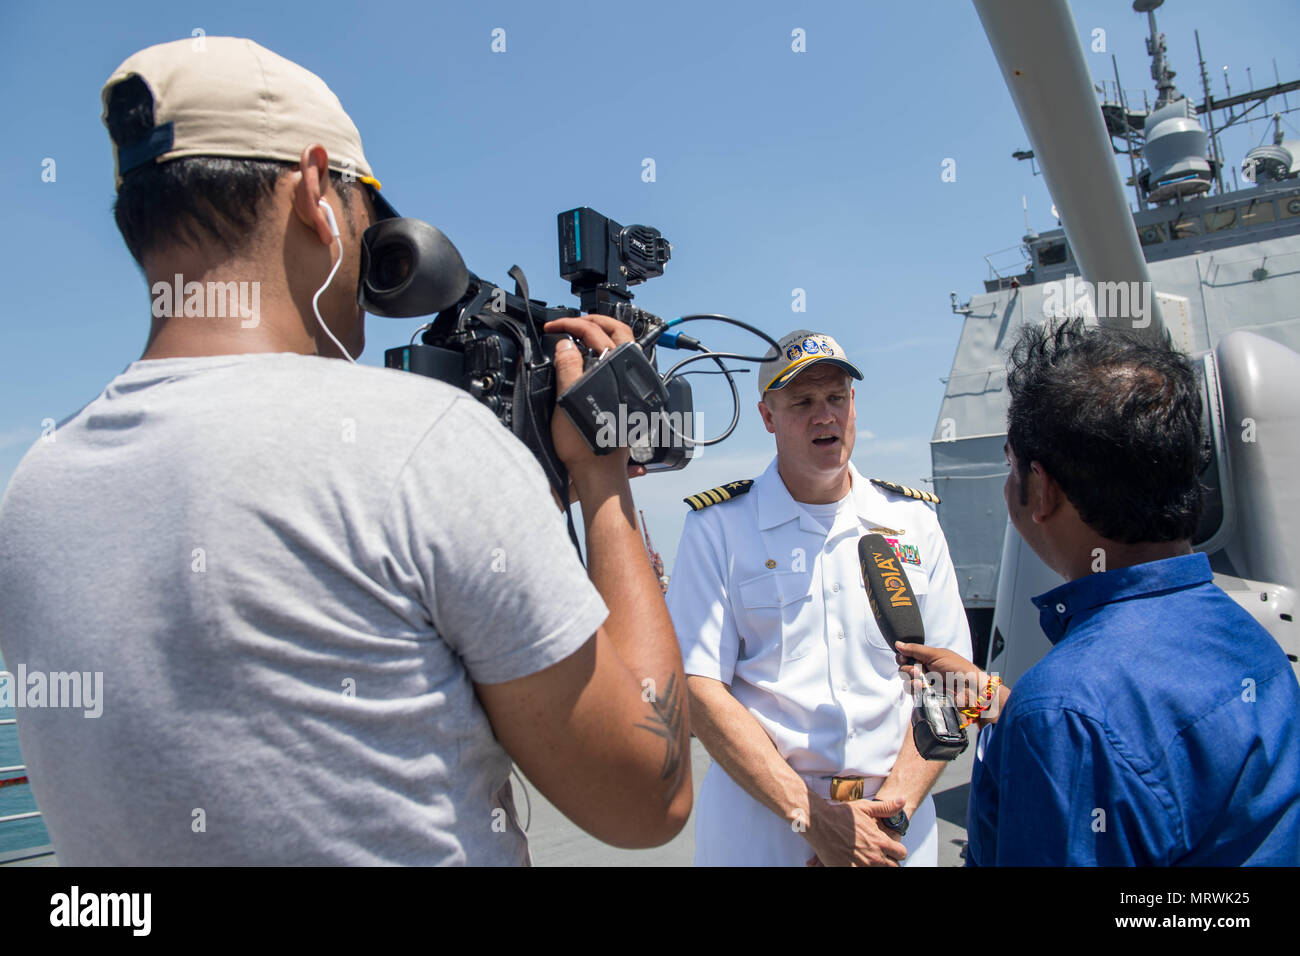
(1161,729)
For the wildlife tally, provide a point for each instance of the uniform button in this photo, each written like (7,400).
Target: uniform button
(840,635)
(853,733)
(844,685)
(835,587)
(1060,609)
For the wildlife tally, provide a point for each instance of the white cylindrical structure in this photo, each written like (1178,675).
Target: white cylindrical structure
(1037,46)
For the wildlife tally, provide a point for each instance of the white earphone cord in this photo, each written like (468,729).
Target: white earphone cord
(330,278)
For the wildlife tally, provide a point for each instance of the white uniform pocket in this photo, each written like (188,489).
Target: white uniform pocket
(769,616)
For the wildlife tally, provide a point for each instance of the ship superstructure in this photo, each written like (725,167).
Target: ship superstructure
(1220,258)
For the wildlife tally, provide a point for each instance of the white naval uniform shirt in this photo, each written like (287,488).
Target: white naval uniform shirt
(765,600)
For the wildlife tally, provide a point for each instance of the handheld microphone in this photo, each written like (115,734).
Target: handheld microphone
(893,602)
(936,729)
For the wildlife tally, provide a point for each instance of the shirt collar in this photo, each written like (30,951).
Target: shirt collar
(1065,607)
(776,506)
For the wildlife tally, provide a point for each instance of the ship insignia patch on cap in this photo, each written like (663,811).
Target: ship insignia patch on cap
(714,496)
(904,490)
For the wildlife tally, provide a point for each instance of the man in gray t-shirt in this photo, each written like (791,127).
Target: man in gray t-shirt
(329,603)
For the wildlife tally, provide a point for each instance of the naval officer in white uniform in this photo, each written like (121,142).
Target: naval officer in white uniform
(795,693)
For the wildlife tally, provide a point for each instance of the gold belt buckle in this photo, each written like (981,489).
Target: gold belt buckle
(845,789)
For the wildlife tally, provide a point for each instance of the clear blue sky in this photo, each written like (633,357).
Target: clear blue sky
(775,170)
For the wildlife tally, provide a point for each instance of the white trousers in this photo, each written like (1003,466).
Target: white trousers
(733,829)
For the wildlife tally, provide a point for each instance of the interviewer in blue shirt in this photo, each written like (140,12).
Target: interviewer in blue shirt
(1160,729)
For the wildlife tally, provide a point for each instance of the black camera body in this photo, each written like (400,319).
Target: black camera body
(490,342)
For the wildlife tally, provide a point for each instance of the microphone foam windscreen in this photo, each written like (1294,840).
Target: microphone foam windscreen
(893,602)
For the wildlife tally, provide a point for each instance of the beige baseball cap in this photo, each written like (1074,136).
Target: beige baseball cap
(799,350)
(229,96)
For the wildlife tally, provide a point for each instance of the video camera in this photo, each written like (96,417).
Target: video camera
(490,342)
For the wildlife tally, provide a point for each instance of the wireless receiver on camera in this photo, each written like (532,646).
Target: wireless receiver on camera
(601,258)
(936,729)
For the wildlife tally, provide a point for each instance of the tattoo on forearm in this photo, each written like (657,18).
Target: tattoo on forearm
(666,722)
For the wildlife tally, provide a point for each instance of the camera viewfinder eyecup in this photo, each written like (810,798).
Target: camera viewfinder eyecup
(409,268)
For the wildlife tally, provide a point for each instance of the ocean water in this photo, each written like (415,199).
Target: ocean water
(20,834)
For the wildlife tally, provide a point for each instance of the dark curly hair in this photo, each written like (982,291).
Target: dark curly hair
(1116,420)
(194,199)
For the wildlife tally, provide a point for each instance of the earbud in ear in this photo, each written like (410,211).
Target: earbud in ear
(329,215)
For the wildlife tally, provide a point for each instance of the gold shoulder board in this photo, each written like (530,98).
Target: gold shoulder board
(904,490)
(714,496)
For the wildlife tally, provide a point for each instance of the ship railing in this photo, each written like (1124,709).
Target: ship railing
(7,779)
(1012,263)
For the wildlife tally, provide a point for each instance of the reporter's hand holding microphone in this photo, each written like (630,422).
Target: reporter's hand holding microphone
(972,687)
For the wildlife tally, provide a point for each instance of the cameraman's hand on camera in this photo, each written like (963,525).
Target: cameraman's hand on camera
(599,333)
